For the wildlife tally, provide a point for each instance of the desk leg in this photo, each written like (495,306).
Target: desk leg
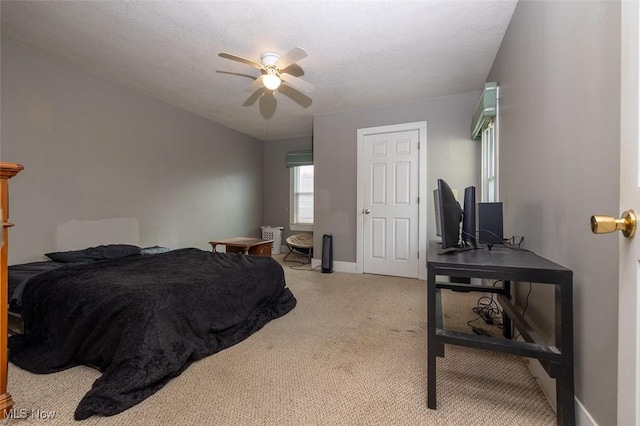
(506,321)
(564,341)
(432,345)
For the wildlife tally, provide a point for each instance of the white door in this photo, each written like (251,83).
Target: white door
(629,286)
(390,203)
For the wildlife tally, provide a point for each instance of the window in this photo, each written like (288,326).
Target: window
(301,198)
(489,163)
(484,127)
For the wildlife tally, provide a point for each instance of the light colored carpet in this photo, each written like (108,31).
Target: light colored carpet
(353,352)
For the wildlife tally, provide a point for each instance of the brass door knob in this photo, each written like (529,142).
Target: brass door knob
(606,224)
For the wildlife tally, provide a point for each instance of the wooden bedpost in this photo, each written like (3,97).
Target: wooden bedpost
(7,171)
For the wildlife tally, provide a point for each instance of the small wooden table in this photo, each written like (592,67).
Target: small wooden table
(245,245)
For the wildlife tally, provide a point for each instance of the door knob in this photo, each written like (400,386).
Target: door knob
(606,224)
(366,211)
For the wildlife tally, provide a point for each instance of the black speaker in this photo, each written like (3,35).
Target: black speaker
(490,223)
(327,253)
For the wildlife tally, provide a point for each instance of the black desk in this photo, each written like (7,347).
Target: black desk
(507,265)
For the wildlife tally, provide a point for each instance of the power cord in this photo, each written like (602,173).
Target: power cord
(489,311)
(526,305)
(510,245)
(512,241)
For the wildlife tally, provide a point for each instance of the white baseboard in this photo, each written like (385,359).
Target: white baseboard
(349,267)
(546,383)
(583,418)
(548,386)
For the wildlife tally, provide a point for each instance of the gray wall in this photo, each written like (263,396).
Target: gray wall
(276,180)
(559,74)
(451,154)
(94,150)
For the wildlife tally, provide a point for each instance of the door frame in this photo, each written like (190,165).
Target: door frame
(628,410)
(421,127)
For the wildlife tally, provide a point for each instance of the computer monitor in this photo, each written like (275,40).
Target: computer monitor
(469,218)
(436,203)
(450,217)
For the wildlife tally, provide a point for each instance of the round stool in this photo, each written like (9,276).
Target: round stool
(301,244)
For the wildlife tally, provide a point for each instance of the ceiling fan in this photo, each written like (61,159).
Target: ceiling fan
(273,68)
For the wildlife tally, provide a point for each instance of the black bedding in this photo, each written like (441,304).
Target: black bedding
(142,320)
(20,274)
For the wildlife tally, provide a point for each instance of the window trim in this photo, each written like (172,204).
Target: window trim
(489,168)
(308,227)
(491,128)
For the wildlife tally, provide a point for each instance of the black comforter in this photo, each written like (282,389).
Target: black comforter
(142,320)
(19,276)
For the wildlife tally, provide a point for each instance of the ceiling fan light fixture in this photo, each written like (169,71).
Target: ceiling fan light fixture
(274,71)
(271,80)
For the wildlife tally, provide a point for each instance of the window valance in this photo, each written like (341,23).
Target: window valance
(485,109)
(299,158)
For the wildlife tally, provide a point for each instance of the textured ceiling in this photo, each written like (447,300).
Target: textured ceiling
(361,53)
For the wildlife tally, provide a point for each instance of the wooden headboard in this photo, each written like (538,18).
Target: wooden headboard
(7,171)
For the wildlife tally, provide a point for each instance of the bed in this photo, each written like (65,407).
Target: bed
(19,275)
(143,319)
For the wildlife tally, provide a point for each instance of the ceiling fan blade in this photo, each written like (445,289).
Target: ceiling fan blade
(257,84)
(239,59)
(297,83)
(294,55)
(296,96)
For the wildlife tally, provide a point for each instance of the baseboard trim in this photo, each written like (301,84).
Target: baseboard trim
(548,387)
(349,267)
(583,418)
(546,383)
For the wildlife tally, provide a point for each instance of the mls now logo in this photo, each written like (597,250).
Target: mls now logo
(23,413)
(15,413)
